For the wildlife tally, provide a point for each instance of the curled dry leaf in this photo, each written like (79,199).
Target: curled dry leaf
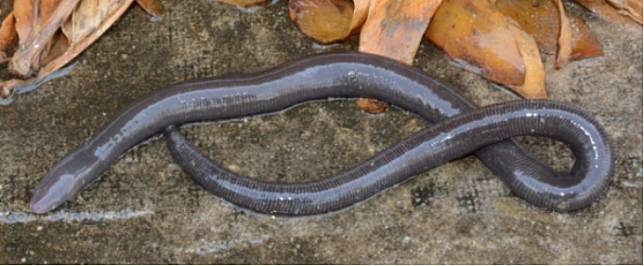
(53,32)
(565,37)
(55,48)
(371,105)
(538,18)
(360,13)
(87,17)
(585,44)
(325,21)
(631,8)
(26,22)
(395,28)
(27,58)
(533,86)
(153,7)
(541,20)
(608,11)
(58,42)
(23,11)
(328,21)
(7,86)
(243,3)
(46,8)
(80,34)
(8,37)
(477,34)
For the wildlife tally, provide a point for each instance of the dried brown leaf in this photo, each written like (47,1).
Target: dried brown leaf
(476,34)
(87,16)
(565,37)
(328,21)
(538,18)
(27,57)
(360,13)
(325,21)
(8,85)
(46,8)
(53,43)
(56,47)
(7,36)
(395,28)
(117,8)
(533,86)
(243,3)
(630,8)
(585,44)
(153,7)
(541,20)
(23,11)
(371,105)
(609,12)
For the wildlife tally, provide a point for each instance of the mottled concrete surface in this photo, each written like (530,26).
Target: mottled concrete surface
(146,210)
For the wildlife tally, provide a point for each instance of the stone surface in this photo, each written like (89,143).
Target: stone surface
(146,210)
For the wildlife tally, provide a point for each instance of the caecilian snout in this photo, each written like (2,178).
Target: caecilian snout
(63,182)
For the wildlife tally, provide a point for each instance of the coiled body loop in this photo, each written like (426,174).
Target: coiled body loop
(347,75)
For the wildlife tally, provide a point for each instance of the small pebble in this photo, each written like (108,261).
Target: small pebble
(233,167)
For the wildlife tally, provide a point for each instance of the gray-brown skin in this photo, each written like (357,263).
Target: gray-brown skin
(457,213)
(453,138)
(348,75)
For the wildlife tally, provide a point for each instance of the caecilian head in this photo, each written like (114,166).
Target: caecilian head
(64,181)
